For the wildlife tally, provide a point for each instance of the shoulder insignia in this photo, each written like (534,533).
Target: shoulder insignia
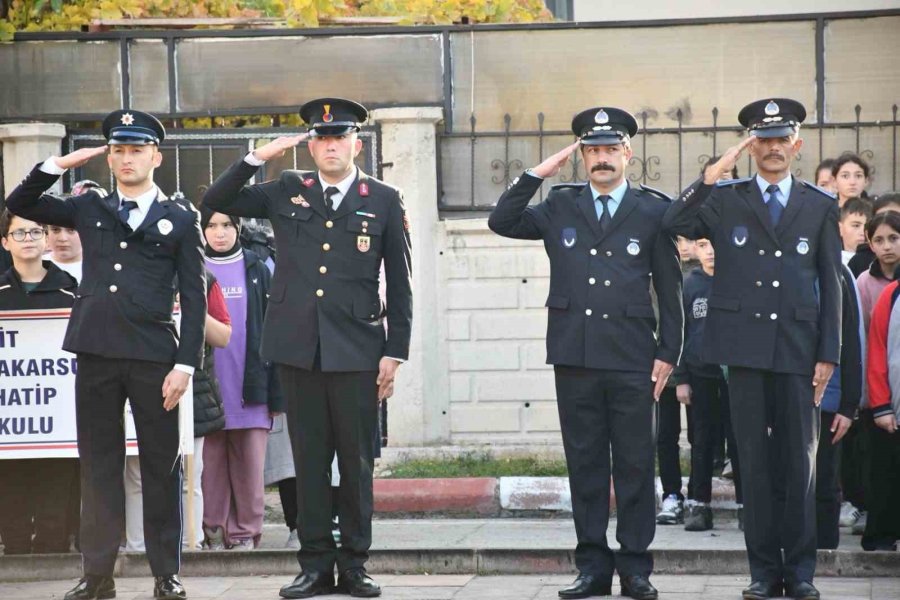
(656,192)
(813,186)
(298,177)
(567,186)
(731,182)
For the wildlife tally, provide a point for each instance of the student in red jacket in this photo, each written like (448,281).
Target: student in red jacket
(883,377)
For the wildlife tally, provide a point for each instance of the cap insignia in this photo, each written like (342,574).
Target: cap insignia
(327,117)
(127,119)
(601,117)
(772,108)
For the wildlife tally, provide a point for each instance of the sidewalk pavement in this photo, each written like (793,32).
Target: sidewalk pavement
(475,546)
(462,587)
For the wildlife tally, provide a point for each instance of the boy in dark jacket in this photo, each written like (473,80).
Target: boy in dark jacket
(35,498)
(705,390)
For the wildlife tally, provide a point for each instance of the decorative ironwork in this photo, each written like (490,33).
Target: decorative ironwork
(645,165)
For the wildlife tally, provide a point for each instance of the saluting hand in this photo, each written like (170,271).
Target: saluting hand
(278,146)
(820,379)
(387,369)
(660,376)
(173,388)
(551,166)
(724,165)
(79,157)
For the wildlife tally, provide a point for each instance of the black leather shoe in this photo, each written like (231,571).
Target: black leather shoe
(358,584)
(168,587)
(762,590)
(638,587)
(803,591)
(586,586)
(307,585)
(93,587)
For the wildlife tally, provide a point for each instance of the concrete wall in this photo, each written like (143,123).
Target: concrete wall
(646,10)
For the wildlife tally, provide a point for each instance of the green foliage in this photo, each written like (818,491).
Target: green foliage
(477,465)
(74,15)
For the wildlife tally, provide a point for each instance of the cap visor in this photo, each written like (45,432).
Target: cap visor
(603,140)
(774,132)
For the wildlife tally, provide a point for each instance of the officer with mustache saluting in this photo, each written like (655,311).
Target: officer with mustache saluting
(606,249)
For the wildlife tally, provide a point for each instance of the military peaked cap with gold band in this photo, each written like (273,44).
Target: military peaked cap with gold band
(772,117)
(133,127)
(604,126)
(333,116)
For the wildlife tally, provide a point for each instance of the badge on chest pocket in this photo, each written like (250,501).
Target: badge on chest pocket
(569,237)
(740,236)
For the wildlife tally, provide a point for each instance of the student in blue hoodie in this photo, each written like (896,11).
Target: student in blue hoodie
(703,387)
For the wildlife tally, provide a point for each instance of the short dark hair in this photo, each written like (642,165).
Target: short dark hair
(827,163)
(5,218)
(849,157)
(890,218)
(886,199)
(856,206)
(713,160)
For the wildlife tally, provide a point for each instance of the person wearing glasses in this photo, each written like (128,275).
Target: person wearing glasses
(36,492)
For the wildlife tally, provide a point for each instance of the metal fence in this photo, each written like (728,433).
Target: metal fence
(665,157)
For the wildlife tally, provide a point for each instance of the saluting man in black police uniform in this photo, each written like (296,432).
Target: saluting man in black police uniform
(135,242)
(324,328)
(775,320)
(606,250)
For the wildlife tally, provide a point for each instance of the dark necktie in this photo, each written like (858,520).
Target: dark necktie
(774,206)
(605,217)
(329,201)
(125,210)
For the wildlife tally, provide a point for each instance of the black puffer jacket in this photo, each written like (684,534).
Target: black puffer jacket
(209,414)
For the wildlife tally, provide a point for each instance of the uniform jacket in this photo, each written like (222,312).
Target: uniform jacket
(324,295)
(124,303)
(600,310)
(776,297)
(56,290)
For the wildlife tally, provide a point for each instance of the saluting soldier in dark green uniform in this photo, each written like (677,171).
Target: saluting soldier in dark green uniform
(324,326)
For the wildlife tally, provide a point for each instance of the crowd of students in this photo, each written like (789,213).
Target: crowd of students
(858,458)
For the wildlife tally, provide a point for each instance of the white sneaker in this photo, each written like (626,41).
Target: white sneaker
(849,515)
(672,511)
(293,541)
(859,527)
(727,470)
(215,538)
(242,545)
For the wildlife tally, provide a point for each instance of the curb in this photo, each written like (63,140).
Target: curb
(832,563)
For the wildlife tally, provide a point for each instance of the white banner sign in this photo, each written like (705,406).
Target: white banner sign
(37,390)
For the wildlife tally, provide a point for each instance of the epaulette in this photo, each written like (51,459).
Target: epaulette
(730,182)
(567,186)
(813,186)
(656,192)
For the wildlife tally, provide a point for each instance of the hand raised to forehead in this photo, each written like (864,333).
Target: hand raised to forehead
(729,159)
(278,146)
(552,165)
(79,157)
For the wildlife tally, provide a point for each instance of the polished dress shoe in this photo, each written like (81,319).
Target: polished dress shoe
(358,584)
(309,584)
(762,590)
(803,590)
(93,587)
(638,587)
(586,586)
(168,587)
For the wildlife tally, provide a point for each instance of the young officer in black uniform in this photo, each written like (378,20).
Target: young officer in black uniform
(324,326)
(135,242)
(774,319)
(606,249)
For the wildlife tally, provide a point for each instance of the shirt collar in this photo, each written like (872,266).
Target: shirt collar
(615,196)
(343,185)
(784,186)
(143,201)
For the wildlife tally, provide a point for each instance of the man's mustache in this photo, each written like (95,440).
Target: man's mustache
(774,155)
(603,167)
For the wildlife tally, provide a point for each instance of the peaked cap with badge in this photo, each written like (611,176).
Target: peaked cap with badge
(772,117)
(604,126)
(133,127)
(333,116)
